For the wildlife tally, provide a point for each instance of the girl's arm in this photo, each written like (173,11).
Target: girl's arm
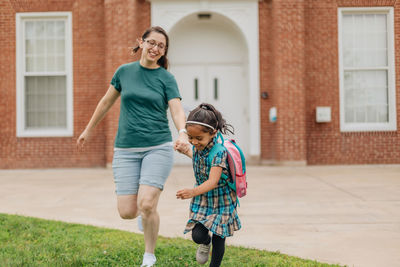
(185,149)
(210,184)
(101,110)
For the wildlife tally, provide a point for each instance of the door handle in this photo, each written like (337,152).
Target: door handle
(196,89)
(216,88)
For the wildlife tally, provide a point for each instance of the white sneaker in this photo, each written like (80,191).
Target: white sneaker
(148,260)
(139,223)
(202,254)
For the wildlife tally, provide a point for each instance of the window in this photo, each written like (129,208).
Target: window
(366,69)
(44,74)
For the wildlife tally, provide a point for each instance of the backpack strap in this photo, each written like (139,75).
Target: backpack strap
(213,152)
(218,147)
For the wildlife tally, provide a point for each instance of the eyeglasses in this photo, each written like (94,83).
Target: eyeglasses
(153,43)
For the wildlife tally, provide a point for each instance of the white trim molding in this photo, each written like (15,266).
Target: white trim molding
(391,124)
(244,14)
(21,73)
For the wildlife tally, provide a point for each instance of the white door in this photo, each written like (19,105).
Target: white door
(189,79)
(214,34)
(222,85)
(227,91)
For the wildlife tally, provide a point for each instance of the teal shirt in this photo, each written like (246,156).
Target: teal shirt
(145,94)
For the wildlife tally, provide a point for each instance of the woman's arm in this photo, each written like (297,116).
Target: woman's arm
(179,118)
(101,110)
(210,184)
(177,113)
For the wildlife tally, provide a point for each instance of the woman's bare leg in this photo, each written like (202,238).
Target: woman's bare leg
(127,206)
(148,197)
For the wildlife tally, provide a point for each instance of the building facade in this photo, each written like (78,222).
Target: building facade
(302,81)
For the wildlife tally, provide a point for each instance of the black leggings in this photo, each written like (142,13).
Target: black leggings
(200,236)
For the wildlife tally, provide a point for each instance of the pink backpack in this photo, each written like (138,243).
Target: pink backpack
(236,162)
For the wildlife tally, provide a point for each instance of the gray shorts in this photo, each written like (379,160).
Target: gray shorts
(132,168)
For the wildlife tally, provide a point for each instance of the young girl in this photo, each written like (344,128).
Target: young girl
(213,205)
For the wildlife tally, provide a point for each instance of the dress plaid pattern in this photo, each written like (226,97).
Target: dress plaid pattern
(215,209)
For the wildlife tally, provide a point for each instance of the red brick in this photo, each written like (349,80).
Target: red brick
(298,69)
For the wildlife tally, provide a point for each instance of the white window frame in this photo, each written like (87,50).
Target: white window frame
(391,125)
(22,131)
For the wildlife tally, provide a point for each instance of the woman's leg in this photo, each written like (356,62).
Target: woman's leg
(126,168)
(148,200)
(156,167)
(218,250)
(127,206)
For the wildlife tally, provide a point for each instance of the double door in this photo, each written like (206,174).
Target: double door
(222,85)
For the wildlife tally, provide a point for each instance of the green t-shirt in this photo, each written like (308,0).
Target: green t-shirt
(145,94)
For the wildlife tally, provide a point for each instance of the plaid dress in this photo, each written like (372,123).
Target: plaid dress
(215,209)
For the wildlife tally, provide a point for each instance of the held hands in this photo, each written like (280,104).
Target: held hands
(185,193)
(181,144)
(182,148)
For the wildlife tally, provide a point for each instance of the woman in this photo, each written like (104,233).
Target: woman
(143,150)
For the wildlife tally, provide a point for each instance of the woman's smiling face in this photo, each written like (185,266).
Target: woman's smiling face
(153,46)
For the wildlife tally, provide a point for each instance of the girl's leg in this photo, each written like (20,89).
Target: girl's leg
(200,234)
(218,250)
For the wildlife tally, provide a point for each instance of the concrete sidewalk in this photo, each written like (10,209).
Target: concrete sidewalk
(335,214)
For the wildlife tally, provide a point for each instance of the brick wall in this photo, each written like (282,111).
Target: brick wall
(325,143)
(7,83)
(125,21)
(268,130)
(88,84)
(298,69)
(282,76)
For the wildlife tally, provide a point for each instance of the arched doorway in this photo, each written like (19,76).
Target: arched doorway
(208,58)
(214,55)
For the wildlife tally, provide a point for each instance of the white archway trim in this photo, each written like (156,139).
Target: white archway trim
(244,13)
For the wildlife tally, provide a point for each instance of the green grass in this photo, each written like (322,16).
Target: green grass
(26,241)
